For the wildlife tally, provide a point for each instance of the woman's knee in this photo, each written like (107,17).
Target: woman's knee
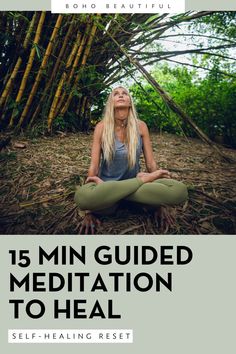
(180,192)
(173,192)
(79,198)
(83,196)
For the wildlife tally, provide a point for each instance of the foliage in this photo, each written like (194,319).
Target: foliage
(220,22)
(210,101)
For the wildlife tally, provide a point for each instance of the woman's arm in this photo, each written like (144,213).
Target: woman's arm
(96,150)
(147,147)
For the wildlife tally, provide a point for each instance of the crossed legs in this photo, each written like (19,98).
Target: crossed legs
(161,192)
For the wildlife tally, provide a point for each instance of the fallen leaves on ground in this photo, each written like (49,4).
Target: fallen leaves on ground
(37,187)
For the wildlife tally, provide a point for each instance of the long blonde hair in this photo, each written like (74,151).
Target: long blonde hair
(108,136)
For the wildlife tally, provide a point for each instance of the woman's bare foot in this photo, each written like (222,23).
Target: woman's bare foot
(164,218)
(89,224)
(152,176)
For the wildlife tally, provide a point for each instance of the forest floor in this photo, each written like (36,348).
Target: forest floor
(37,185)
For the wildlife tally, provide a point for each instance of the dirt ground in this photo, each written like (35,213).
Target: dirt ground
(37,183)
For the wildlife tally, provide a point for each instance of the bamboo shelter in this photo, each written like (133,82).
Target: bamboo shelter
(55,68)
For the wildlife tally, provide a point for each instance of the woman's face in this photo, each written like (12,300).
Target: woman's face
(121,98)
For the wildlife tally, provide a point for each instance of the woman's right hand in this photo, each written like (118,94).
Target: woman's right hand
(163,173)
(95,179)
(89,224)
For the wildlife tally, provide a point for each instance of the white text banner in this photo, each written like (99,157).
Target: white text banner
(117,6)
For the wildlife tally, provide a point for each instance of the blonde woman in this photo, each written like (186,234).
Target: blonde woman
(114,174)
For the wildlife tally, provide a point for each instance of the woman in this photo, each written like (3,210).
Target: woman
(114,173)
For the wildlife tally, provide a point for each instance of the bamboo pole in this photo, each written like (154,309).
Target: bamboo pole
(75,64)
(64,45)
(29,65)
(55,70)
(80,50)
(84,59)
(40,71)
(18,63)
(57,96)
(31,57)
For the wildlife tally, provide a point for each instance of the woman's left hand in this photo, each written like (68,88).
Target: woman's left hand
(95,179)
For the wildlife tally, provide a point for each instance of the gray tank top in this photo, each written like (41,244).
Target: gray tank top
(118,168)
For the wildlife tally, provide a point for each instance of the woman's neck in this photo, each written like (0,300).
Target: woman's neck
(121,123)
(121,117)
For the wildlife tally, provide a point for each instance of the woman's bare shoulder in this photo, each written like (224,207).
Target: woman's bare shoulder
(99,128)
(142,126)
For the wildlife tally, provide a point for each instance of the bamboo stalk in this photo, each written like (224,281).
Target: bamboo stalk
(55,70)
(80,50)
(40,71)
(84,59)
(31,57)
(57,96)
(18,63)
(64,45)
(75,64)
(29,64)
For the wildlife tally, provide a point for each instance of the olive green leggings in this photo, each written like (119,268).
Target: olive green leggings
(98,197)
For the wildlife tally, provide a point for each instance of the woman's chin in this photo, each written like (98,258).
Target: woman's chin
(121,105)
